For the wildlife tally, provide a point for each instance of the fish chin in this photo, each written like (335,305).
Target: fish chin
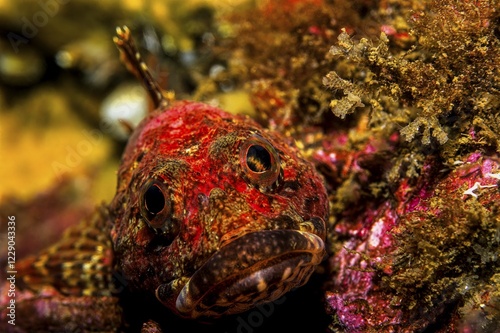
(255,268)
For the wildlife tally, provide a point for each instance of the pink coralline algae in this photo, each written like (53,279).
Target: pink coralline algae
(423,258)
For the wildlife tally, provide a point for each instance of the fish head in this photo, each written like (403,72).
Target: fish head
(215,214)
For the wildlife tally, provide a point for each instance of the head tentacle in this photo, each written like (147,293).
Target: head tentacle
(136,65)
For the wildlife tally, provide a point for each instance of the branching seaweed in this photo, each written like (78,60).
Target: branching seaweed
(452,69)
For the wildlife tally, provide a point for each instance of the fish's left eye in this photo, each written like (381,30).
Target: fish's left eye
(260,161)
(154,204)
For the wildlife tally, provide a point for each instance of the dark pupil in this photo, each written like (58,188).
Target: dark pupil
(258,159)
(154,200)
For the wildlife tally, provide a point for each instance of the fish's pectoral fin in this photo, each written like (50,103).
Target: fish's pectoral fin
(79,264)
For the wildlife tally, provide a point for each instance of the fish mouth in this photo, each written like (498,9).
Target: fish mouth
(255,268)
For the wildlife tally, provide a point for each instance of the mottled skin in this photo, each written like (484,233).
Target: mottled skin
(193,151)
(213,214)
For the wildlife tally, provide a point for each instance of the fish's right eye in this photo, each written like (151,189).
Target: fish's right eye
(155,204)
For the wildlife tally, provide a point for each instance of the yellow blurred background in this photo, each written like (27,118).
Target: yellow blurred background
(58,65)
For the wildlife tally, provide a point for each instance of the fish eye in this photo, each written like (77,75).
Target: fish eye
(155,205)
(258,158)
(260,162)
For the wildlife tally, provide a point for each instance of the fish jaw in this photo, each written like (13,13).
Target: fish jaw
(255,268)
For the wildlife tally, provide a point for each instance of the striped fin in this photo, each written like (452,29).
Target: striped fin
(80,264)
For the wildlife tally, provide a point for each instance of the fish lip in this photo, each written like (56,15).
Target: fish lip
(257,267)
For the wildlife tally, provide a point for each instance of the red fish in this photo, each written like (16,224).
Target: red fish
(213,215)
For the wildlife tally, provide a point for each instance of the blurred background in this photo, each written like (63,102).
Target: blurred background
(63,91)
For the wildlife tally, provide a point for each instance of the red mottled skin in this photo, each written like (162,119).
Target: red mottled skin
(195,149)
